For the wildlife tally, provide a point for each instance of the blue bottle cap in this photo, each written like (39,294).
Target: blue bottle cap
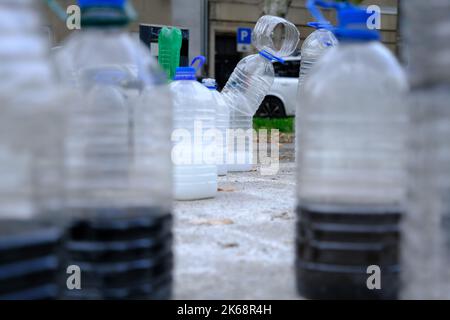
(106,13)
(101,3)
(353,21)
(185,73)
(353,24)
(210,83)
(188,73)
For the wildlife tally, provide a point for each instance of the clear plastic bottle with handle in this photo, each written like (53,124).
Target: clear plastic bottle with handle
(118,168)
(317,43)
(351,167)
(250,82)
(32,134)
(222,126)
(195,151)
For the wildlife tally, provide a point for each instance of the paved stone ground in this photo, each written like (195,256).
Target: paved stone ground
(241,244)
(287,152)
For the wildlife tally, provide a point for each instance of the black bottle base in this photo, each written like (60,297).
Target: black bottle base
(314,283)
(336,245)
(122,253)
(29,260)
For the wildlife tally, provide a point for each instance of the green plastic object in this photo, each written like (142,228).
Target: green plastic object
(169,42)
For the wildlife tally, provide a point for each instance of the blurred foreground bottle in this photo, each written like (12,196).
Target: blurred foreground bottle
(118,169)
(351,169)
(426,228)
(195,150)
(31,145)
(251,80)
(169,46)
(317,43)
(222,126)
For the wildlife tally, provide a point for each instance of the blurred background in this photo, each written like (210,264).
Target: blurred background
(240,244)
(213,25)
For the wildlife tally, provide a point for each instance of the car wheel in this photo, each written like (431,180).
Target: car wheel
(271,107)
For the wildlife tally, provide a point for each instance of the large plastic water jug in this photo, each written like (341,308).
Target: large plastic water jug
(195,149)
(118,168)
(32,127)
(351,185)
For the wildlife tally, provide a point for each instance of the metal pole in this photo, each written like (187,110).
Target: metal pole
(399,30)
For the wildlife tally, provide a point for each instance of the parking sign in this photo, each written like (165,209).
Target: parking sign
(244,39)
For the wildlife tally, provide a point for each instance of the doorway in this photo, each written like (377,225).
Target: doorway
(226,57)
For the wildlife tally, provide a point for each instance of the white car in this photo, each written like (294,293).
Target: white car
(281,101)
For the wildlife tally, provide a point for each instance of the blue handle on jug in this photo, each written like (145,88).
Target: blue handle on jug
(57,9)
(313,7)
(201,61)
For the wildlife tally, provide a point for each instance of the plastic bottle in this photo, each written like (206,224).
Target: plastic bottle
(317,43)
(222,126)
(195,151)
(275,38)
(275,35)
(246,89)
(425,31)
(118,172)
(169,41)
(351,170)
(31,145)
(425,227)
(314,47)
(251,81)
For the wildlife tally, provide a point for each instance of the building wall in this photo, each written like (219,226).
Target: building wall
(149,11)
(208,19)
(225,16)
(192,14)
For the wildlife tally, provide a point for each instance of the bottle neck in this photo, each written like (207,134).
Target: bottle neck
(108,30)
(185,77)
(270,57)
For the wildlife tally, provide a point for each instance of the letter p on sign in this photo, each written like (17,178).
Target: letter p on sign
(244,39)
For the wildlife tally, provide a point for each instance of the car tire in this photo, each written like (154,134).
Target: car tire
(271,107)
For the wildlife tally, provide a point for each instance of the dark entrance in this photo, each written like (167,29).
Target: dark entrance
(226,58)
